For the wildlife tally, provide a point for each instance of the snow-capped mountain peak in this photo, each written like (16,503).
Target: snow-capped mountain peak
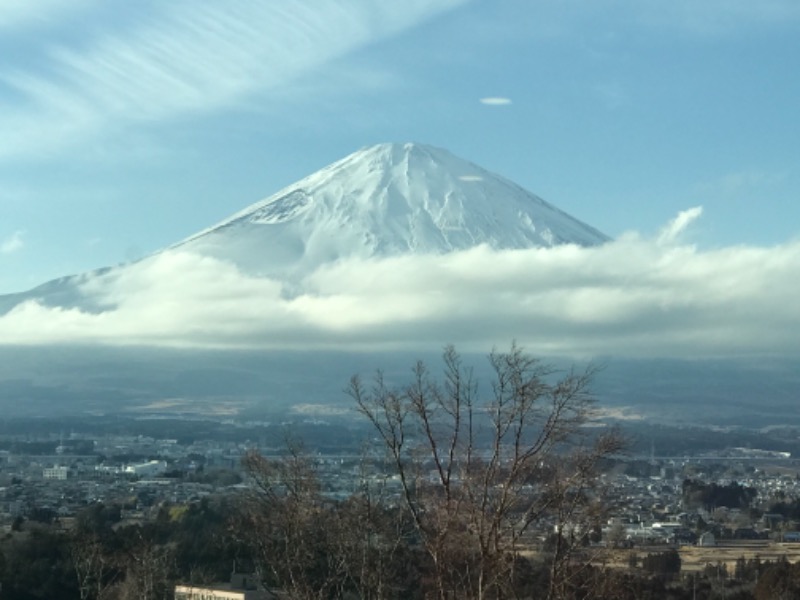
(385,200)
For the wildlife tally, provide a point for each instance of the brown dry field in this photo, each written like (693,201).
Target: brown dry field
(695,558)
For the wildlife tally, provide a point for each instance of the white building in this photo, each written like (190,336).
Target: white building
(243,586)
(187,592)
(148,469)
(60,473)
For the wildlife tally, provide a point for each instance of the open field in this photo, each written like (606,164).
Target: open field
(695,558)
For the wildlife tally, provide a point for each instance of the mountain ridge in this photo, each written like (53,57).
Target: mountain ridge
(385,200)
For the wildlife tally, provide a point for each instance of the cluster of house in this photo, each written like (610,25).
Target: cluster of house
(61,484)
(652,510)
(141,473)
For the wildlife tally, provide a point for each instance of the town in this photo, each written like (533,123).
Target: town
(713,507)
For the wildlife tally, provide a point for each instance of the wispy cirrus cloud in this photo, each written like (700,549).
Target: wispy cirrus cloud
(631,297)
(12,243)
(24,14)
(188,58)
(742,181)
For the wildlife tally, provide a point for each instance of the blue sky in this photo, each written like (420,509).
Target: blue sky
(669,125)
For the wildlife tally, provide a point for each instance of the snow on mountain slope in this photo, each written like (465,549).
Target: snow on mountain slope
(386,200)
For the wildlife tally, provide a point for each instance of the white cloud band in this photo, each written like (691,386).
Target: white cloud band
(631,297)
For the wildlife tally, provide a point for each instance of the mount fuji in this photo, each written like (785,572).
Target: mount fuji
(374,262)
(381,201)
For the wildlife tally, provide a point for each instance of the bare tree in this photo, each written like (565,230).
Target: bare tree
(311,547)
(478,475)
(149,572)
(288,526)
(371,538)
(95,566)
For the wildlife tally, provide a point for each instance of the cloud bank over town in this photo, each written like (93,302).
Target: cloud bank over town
(659,297)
